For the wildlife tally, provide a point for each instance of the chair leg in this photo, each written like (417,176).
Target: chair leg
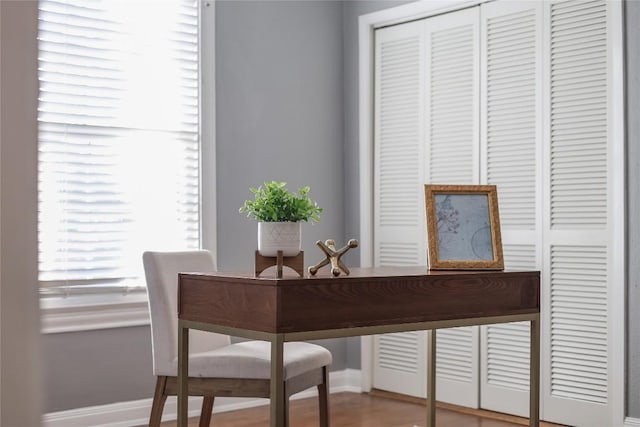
(323,398)
(207,409)
(286,406)
(159,397)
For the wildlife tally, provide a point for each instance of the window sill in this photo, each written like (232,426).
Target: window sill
(75,313)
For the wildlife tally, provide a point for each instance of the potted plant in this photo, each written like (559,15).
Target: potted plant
(279,213)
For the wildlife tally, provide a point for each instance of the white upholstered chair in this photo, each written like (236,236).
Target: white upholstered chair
(217,367)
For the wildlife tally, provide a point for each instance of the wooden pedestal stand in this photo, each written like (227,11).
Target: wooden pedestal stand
(296,263)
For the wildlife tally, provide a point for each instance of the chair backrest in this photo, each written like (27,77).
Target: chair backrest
(161,271)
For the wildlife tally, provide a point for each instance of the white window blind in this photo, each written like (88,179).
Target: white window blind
(119,136)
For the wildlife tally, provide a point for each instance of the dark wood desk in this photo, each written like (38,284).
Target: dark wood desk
(369,301)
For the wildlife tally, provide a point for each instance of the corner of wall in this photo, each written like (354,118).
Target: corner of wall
(20,391)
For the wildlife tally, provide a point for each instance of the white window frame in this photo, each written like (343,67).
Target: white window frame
(117,307)
(425,8)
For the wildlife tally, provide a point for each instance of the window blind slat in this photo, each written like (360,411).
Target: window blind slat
(118,136)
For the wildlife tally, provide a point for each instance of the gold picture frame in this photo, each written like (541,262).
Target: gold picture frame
(463,227)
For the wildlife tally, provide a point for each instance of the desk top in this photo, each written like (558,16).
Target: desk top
(268,277)
(367,297)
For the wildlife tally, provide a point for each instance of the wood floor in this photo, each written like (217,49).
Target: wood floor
(363,410)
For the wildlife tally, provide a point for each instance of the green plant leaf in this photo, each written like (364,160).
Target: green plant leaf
(274,203)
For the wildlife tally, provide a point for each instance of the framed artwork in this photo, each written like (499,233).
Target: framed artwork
(463,227)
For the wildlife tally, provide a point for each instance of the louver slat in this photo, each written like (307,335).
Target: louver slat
(398,254)
(452,86)
(507,348)
(508,356)
(399,132)
(454,361)
(519,257)
(511,116)
(579,313)
(398,352)
(578,139)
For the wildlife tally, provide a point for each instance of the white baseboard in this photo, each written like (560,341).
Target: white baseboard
(631,422)
(136,413)
(348,380)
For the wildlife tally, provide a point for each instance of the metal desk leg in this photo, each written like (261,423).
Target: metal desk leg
(431,378)
(183,374)
(534,374)
(278,417)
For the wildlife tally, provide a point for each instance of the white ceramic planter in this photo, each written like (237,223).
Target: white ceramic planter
(279,236)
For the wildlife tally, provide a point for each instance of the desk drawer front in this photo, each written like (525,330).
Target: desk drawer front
(381,302)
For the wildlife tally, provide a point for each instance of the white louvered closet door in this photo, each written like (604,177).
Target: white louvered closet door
(582,258)
(511,149)
(452,147)
(538,77)
(399,232)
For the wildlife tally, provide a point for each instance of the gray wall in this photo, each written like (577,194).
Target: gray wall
(633,178)
(97,367)
(279,115)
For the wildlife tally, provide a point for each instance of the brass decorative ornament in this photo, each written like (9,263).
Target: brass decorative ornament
(333,257)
